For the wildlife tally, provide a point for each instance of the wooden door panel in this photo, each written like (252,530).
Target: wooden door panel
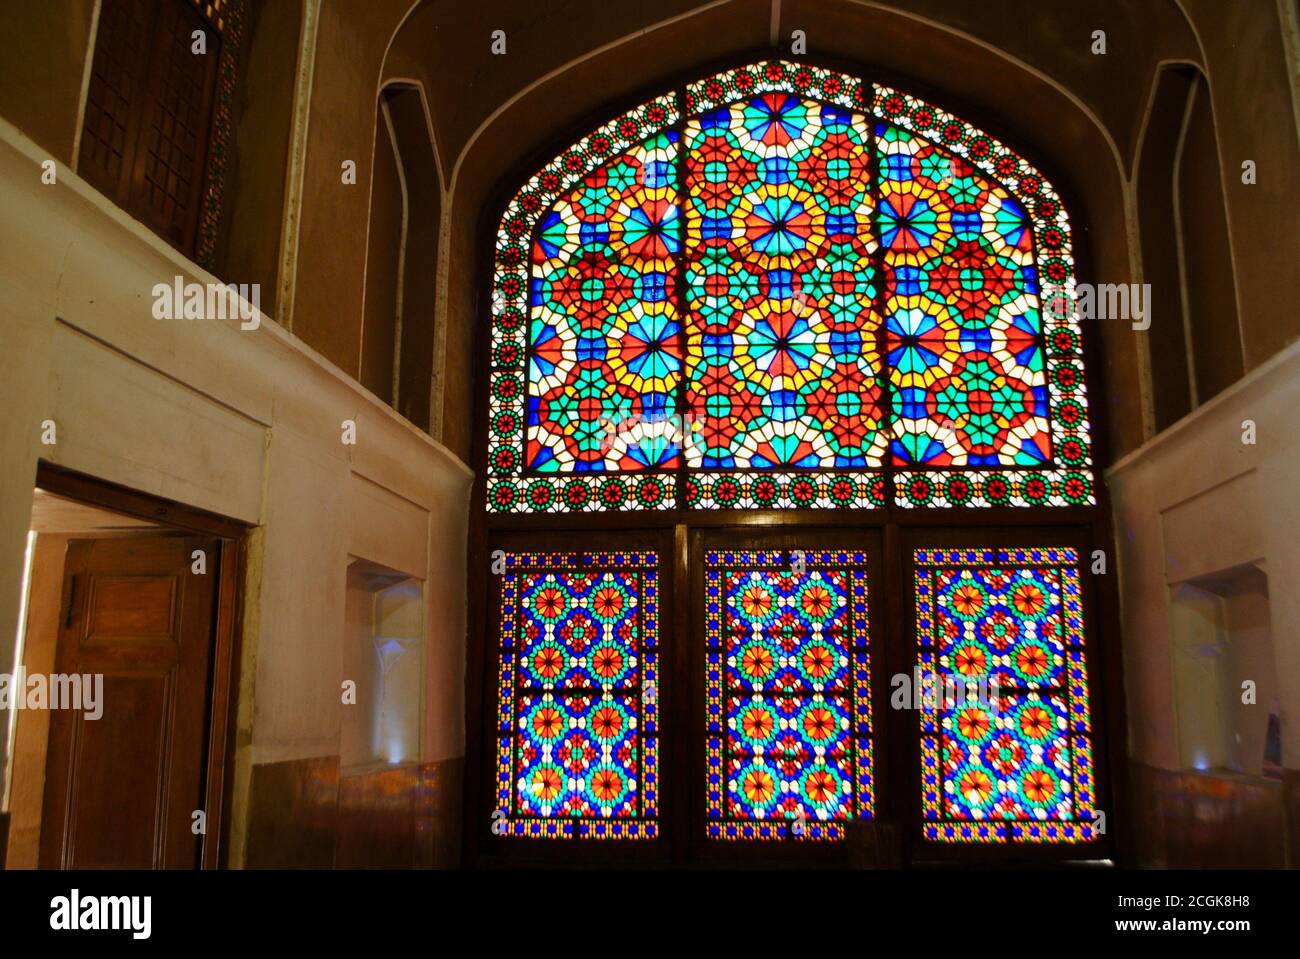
(786,628)
(121,789)
(136,725)
(131,609)
(551,607)
(1001,624)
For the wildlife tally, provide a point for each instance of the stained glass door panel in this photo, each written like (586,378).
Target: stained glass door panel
(1001,660)
(577,712)
(787,676)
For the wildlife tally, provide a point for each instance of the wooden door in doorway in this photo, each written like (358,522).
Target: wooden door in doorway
(121,790)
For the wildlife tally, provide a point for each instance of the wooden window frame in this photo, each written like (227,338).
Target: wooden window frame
(198,236)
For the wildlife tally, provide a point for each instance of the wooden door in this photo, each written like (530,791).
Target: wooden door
(121,790)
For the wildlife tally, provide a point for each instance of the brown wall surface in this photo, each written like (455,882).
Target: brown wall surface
(1191,820)
(1211,296)
(1254,115)
(419,255)
(383,258)
(328,299)
(248,250)
(304,814)
(42,69)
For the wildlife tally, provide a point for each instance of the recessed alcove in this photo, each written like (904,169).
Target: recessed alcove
(1221,640)
(383,653)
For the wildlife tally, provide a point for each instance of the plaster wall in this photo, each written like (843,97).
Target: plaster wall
(243,423)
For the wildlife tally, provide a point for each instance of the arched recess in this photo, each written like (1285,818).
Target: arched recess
(397,332)
(878,298)
(525,106)
(1195,335)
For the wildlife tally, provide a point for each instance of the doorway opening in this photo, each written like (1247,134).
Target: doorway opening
(121,681)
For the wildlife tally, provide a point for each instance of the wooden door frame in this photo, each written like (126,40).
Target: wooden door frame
(785,853)
(907,737)
(227,641)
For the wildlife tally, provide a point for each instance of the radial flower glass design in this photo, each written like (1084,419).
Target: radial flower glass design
(1013,764)
(788,684)
(784,287)
(578,705)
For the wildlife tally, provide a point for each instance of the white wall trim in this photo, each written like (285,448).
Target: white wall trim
(1284,363)
(137,232)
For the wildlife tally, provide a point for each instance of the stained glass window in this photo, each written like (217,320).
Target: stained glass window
(785,287)
(788,735)
(604,337)
(1006,752)
(778,272)
(577,696)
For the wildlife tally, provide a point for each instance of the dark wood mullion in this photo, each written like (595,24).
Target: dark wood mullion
(680,733)
(1106,702)
(903,517)
(203,139)
(134,187)
(879,299)
(696,768)
(896,728)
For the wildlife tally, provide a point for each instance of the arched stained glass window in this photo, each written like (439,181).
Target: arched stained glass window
(783,287)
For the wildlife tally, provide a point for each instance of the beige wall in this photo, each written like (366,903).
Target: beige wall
(1193,502)
(27,792)
(246,424)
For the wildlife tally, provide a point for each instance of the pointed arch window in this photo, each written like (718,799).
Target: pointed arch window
(780,287)
(785,288)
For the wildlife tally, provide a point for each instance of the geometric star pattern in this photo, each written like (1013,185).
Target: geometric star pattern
(577,697)
(1006,753)
(782,287)
(788,683)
